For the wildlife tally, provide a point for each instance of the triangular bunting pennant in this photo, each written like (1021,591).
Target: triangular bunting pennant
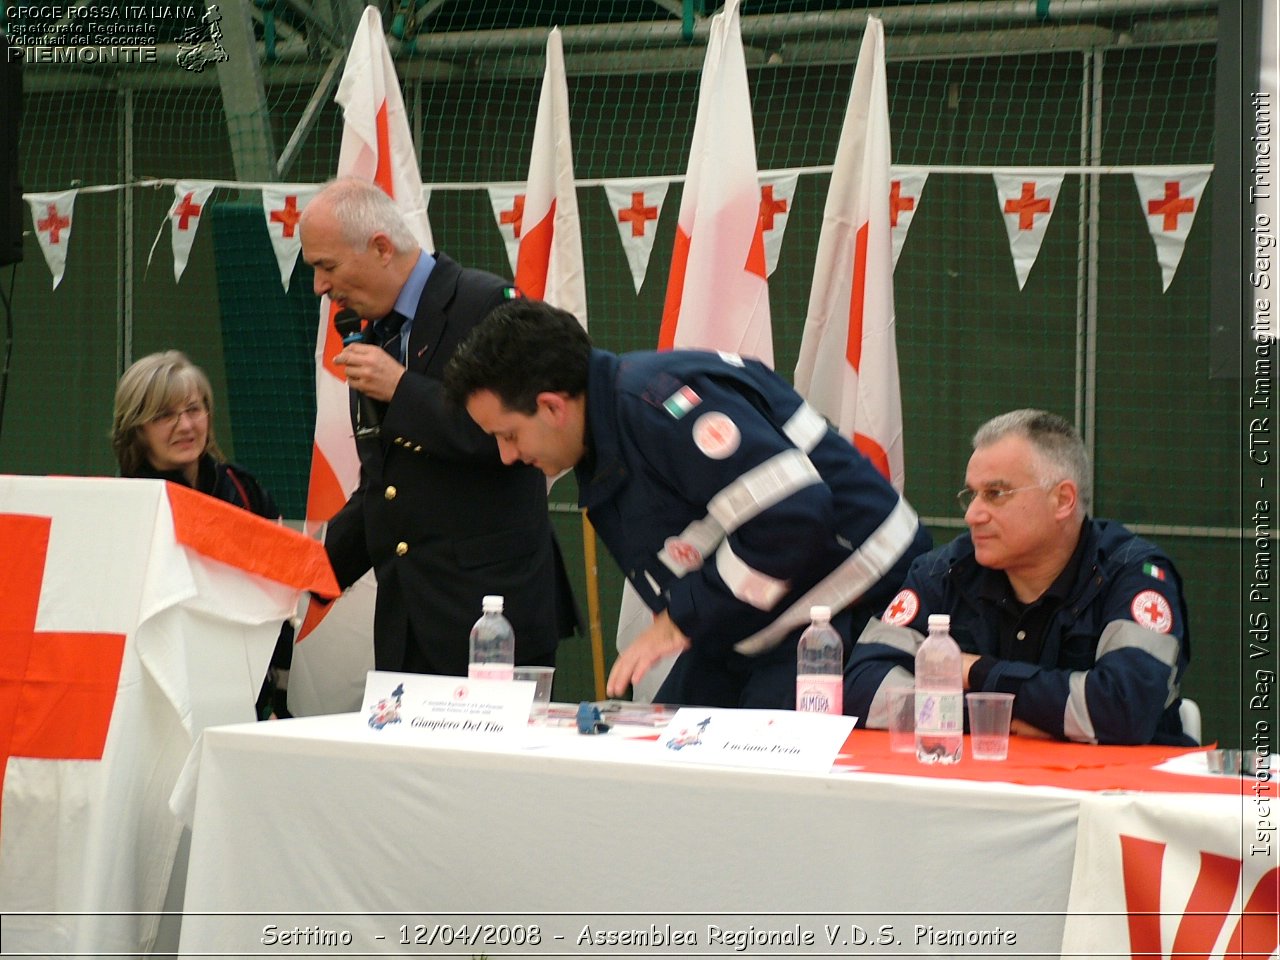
(1027,202)
(1170,200)
(777,190)
(282,205)
(549,265)
(636,206)
(905,190)
(51,214)
(190,198)
(508,213)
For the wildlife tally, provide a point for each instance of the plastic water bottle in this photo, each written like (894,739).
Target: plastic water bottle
(493,644)
(939,695)
(820,666)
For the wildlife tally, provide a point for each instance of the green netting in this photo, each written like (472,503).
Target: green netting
(972,87)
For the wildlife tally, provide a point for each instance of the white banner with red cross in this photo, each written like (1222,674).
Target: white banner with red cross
(777,194)
(282,205)
(133,614)
(1165,875)
(51,214)
(906,187)
(1027,202)
(636,206)
(507,201)
(190,198)
(1170,200)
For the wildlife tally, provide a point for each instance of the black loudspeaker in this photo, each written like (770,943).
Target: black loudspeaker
(10,125)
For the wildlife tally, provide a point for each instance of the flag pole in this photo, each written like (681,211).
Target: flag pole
(593,604)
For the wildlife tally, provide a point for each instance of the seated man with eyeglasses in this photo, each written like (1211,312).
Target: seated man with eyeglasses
(1080,619)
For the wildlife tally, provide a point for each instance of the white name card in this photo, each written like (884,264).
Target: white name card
(777,739)
(425,706)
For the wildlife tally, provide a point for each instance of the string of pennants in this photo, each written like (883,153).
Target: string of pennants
(1027,199)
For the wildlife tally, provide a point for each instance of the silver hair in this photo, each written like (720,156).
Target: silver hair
(1056,441)
(361,209)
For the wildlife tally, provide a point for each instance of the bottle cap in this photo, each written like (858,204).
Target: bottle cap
(942,620)
(491,604)
(820,612)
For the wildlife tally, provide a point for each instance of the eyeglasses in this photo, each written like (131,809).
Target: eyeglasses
(991,496)
(167,420)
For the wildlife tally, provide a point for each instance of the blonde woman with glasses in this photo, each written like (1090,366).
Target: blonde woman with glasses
(162,430)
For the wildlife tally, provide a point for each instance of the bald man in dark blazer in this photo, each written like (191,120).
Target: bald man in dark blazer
(438,517)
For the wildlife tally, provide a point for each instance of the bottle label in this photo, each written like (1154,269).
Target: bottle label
(491,671)
(819,693)
(939,712)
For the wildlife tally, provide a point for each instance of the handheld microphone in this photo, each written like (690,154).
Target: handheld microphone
(368,423)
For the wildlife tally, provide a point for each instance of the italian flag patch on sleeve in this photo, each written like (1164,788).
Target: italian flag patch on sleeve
(1151,570)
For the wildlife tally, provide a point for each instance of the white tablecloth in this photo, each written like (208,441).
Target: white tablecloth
(297,818)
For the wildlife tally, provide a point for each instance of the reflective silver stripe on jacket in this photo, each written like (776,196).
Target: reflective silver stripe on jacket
(847,582)
(747,584)
(745,498)
(1077,723)
(806,428)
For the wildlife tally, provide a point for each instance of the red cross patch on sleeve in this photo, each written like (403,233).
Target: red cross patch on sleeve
(1152,610)
(903,610)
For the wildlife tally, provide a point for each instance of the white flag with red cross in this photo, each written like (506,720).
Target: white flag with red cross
(906,188)
(636,206)
(51,214)
(549,262)
(334,652)
(190,200)
(848,364)
(718,292)
(507,203)
(777,193)
(282,205)
(133,614)
(1027,202)
(1170,200)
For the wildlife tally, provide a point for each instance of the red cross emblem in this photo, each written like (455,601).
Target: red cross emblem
(514,216)
(1170,205)
(637,214)
(903,609)
(716,435)
(1151,610)
(898,202)
(186,210)
(288,216)
(54,224)
(1027,206)
(770,207)
(57,690)
(684,554)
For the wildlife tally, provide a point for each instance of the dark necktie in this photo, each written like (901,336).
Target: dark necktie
(388,332)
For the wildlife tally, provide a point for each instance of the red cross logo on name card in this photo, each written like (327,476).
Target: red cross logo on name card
(186,211)
(288,215)
(514,216)
(1170,205)
(637,214)
(770,207)
(57,690)
(53,224)
(1027,206)
(897,202)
